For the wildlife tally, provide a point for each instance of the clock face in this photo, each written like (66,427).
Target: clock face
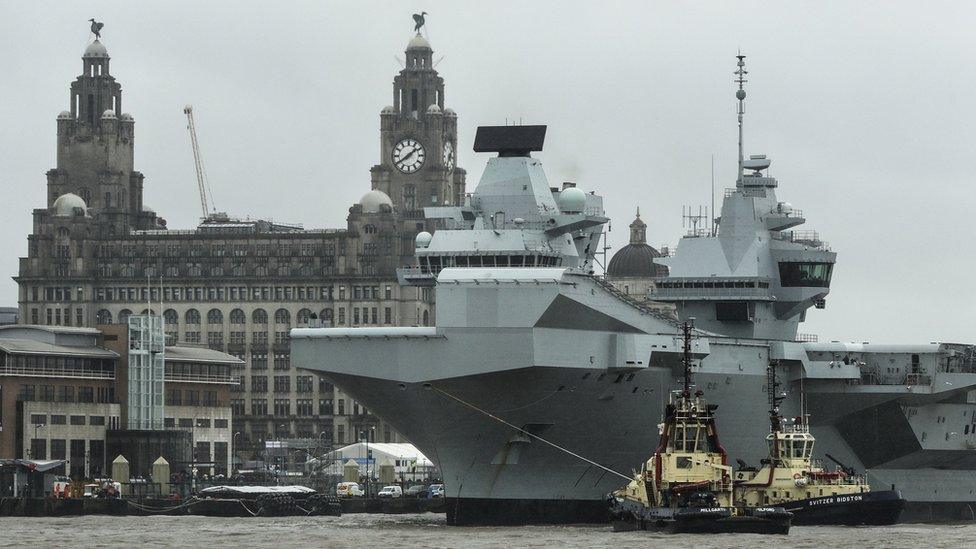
(448,156)
(409,155)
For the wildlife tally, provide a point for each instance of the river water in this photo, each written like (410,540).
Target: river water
(364,531)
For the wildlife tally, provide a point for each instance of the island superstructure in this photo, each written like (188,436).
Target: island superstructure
(555,351)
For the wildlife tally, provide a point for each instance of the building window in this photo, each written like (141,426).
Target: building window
(210,398)
(259,384)
(174,397)
(58,419)
(281,361)
(259,316)
(77,420)
(259,361)
(203,423)
(96,420)
(282,384)
(237,406)
(282,317)
(340,434)
(59,449)
(303,317)
(38,449)
(220,423)
(281,337)
(388,315)
(303,384)
(237,338)
(214,316)
(303,407)
(192,316)
(282,407)
(325,406)
(191,337)
(342,407)
(260,338)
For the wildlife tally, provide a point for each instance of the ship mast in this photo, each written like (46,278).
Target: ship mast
(740,73)
(775,420)
(686,356)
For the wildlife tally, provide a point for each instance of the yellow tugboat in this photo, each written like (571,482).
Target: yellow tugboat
(687,485)
(790,478)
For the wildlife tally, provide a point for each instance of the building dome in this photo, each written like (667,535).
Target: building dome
(388,110)
(126,116)
(108,114)
(65,115)
(423,239)
(433,109)
(418,43)
(636,260)
(572,200)
(449,112)
(373,201)
(68,204)
(96,49)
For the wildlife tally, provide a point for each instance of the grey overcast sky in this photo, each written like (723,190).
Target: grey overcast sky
(866,109)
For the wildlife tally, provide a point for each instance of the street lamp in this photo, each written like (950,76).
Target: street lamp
(369,477)
(233,450)
(30,451)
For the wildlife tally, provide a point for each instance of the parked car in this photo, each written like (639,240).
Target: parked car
(349,489)
(391,491)
(416,491)
(436,491)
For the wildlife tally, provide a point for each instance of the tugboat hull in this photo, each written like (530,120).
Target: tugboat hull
(629,516)
(868,508)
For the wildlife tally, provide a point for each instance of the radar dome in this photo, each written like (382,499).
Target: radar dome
(373,201)
(572,200)
(69,204)
(423,239)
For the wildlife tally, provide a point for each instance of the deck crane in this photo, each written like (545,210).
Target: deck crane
(204,187)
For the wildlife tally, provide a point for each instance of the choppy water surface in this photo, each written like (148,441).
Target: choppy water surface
(429,530)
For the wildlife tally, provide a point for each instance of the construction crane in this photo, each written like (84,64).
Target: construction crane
(202,184)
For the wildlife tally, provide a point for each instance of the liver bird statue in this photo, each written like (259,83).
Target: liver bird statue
(96,28)
(419,20)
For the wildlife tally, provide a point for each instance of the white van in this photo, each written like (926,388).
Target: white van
(391,491)
(349,489)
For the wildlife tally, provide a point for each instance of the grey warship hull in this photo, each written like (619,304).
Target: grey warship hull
(495,475)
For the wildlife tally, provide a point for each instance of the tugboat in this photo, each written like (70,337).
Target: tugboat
(790,478)
(686,486)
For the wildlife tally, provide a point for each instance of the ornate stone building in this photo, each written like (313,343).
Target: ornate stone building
(97,253)
(632,268)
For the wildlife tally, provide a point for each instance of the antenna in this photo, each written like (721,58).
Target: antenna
(691,220)
(712,219)
(740,73)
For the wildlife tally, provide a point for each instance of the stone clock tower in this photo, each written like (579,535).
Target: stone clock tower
(418,144)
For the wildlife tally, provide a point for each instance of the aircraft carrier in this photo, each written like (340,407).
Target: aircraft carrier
(539,379)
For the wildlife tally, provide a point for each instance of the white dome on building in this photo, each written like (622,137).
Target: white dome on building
(96,49)
(572,200)
(65,115)
(388,110)
(108,114)
(449,112)
(433,109)
(373,201)
(418,42)
(126,116)
(423,239)
(67,205)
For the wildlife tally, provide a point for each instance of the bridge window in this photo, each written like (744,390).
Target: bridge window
(806,274)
